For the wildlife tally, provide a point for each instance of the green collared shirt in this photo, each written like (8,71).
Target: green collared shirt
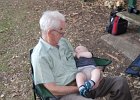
(52,64)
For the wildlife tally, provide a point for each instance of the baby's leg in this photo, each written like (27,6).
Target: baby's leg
(80,79)
(95,79)
(96,75)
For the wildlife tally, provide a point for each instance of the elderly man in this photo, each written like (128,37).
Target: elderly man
(54,65)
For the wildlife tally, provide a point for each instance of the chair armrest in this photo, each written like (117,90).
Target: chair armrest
(101,61)
(43,92)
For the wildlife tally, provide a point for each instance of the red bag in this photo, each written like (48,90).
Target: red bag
(116,24)
(119,26)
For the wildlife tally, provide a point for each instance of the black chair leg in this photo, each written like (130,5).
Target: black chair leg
(34,96)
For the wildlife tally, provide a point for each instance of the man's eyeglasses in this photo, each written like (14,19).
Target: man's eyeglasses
(59,32)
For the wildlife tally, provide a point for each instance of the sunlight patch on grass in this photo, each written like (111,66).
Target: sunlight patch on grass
(2,87)
(4,60)
(5,25)
(4,68)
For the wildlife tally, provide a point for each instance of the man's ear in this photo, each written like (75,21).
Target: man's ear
(49,34)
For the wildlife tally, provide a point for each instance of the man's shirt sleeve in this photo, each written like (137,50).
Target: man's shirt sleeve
(42,70)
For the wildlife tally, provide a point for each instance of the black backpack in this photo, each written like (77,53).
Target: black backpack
(116,24)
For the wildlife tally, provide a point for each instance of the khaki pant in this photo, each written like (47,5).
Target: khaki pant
(116,87)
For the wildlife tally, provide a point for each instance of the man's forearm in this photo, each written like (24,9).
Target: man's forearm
(61,90)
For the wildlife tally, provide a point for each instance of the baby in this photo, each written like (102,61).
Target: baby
(88,76)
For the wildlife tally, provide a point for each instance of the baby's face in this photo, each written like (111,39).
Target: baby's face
(80,49)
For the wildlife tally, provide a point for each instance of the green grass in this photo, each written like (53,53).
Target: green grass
(4,68)
(4,61)
(4,25)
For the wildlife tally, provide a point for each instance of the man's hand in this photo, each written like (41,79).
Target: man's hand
(60,90)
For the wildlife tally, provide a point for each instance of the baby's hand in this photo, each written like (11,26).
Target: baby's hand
(74,54)
(78,56)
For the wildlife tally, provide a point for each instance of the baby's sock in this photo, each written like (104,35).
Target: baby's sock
(89,84)
(82,90)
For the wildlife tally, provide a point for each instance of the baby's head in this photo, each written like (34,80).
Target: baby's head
(81,49)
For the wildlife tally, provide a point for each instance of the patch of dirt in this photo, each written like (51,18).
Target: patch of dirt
(85,25)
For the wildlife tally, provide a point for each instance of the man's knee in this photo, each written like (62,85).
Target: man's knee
(122,86)
(121,82)
(121,89)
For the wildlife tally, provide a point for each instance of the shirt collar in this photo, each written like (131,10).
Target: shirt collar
(47,45)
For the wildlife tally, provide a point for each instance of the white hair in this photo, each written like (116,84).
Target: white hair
(51,20)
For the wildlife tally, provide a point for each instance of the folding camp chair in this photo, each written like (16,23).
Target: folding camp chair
(44,94)
(39,90)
